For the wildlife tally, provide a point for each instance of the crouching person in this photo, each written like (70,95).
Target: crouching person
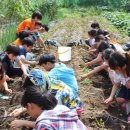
(42,106)
(11,55)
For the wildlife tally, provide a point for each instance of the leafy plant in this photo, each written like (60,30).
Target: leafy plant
(86,81)
(86,70)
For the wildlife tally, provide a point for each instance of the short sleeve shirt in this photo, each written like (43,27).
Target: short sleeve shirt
(26,23)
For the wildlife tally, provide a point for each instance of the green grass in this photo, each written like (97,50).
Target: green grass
(86,70)
(86,81)
(7,36)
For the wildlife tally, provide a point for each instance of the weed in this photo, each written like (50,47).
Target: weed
(86,70)
(86,81)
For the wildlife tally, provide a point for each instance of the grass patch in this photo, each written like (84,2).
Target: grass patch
(7,36)
(86,70)
(86,81)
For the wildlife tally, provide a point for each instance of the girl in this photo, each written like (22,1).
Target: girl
(3,79)
(43,107)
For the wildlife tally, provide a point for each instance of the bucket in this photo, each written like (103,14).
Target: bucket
(64,53)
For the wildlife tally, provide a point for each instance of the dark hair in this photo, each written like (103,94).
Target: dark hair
(12,49)
(99,38)
(107,53)
(23,34)
(92,33)
(37,14)
(45,27)
(27,41)
(106,32)
(45,99)
(2,72)
(103,46)
(95,25)
(47,57)
(38,23)
(27,83)
(117,59)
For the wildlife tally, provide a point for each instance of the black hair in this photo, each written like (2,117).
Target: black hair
(99,38)
(47,57)
(106,32)
(117,59)
(107,53)
(28,83)
(95,25)
(23,34)
(45,99)
(27,41)
(45,27)
(13,49)
(38,23)
(37,14)
(92,33)
(104,45)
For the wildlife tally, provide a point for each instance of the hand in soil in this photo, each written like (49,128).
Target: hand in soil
(16,112)
(8,91)
(17,124)
(108,100)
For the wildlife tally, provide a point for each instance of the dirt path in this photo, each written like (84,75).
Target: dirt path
(95,90)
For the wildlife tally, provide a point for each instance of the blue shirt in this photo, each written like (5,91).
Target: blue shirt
(22,51)
(65,74)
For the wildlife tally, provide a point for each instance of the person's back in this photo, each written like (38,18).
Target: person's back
(60,118)
(24,24)
(65,74)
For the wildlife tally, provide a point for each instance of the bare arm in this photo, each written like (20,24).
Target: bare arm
(97,69)
(95,61)
(22,66)
(114,89)
(23,59)
(20,123)
(42,42)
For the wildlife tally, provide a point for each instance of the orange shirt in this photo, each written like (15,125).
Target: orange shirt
(26,23)
(18,42)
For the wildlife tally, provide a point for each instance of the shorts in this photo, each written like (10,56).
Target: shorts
(123,92)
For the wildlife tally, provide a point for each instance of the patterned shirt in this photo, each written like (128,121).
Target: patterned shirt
(60,118)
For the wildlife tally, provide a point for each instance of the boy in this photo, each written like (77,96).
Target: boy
(22,35)
(12,52)
(59,71)
(36,36)
(29,24)
(27,45)
(95,26)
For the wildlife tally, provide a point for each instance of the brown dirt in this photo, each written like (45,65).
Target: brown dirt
(96,114)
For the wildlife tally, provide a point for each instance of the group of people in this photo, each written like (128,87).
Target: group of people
(114,60)
(50,92)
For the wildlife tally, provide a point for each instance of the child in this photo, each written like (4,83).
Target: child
(36,36)
(59,71)
(91,41)
(12,52)
(25,49)
(3,78)
(120,62)
(98,60)
(43,107)
(95,26)
(22,35)
(29,24)
(106,54)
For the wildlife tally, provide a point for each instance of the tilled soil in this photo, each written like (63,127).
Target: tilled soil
(96,115)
